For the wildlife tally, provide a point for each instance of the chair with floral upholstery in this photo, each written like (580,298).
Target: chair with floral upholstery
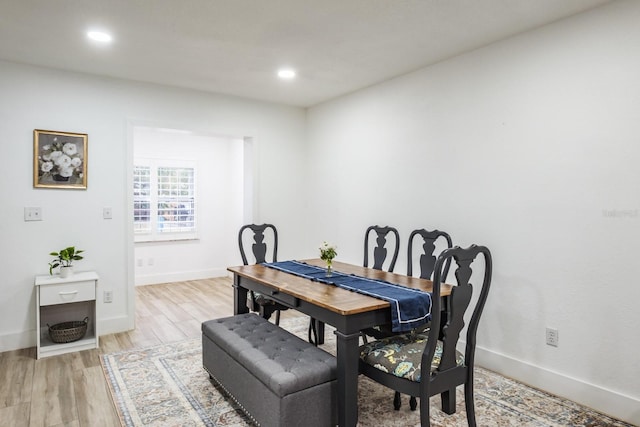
(427,261)
(397,361)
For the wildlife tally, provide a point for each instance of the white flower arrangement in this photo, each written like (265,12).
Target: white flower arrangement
(61,160)
(328,252)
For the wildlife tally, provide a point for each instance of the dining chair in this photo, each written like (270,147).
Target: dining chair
(380,250)
(380,255)
(427,261)
(261,253)
(397,361)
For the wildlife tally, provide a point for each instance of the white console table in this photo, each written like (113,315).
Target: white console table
(64,300)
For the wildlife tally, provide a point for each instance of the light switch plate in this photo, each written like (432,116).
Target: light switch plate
(32,214)
(107,213)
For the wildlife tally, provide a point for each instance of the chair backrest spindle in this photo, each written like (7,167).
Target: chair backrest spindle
(259,248)
(380,251)
(428,256)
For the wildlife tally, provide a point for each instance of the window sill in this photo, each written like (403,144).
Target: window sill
(165,239)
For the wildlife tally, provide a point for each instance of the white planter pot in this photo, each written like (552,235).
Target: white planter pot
(66,271)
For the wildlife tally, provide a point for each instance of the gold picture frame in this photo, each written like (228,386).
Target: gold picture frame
(59,159)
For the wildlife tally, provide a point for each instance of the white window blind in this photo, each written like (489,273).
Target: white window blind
(142,199)
(164,195)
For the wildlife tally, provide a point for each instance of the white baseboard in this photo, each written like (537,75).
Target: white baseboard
(609,402)
(114,325)
(153,279)
(16,341)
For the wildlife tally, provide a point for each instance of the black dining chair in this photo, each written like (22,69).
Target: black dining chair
(397,362)
(261,253)
(380,253)
(427,263)
(426,258)
(379,250)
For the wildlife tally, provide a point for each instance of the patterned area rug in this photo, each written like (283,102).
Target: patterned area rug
(166,385)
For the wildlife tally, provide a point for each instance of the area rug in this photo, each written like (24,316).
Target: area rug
(165,385)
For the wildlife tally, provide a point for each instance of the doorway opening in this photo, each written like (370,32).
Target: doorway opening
(191,194)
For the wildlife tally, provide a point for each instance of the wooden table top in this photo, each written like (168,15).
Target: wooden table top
(333,298)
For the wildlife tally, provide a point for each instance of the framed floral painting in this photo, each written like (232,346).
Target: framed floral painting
(59,159)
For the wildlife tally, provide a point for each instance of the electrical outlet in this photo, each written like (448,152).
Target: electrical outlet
(552,337)
(107,213)
(107,296)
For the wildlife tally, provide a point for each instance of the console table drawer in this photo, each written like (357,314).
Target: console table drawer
(67,292)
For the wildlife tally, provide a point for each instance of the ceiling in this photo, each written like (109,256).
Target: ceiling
(235,46)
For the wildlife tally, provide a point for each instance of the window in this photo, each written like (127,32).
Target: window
(164,201)
(142,199)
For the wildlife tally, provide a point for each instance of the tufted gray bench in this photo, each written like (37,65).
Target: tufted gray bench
(277,378)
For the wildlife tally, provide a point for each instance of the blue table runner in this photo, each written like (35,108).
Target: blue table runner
(410,308)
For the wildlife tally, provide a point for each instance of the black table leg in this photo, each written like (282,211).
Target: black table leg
(320,330)
(239,298)
(347,358)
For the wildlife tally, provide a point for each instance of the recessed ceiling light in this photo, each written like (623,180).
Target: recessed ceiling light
(99,36)
(286,73)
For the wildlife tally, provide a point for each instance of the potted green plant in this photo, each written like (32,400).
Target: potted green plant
(64,259)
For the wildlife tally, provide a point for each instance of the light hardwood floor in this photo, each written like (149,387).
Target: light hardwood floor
(70,389)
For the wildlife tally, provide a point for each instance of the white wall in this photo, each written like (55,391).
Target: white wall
(530,146)
(106,109)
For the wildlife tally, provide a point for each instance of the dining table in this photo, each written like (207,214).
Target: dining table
(347,311)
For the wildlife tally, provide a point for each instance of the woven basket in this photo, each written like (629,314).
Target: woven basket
(68,331)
